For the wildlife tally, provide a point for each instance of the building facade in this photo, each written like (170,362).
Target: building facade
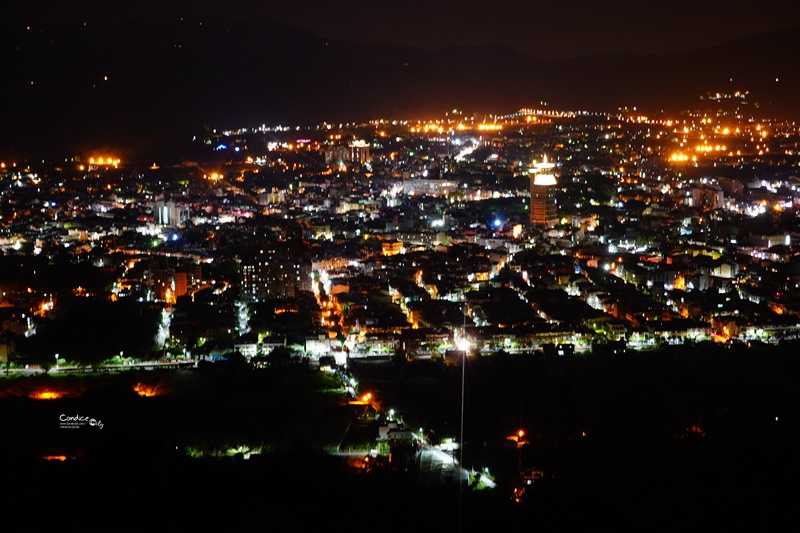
(271,274)
(543,195)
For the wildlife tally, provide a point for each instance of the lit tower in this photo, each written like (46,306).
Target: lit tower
(543,194)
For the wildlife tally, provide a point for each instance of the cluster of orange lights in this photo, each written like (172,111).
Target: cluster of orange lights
(441,128)
(104,161)
(50,394)
(428,128)
(365,399)
(45,307)
(709,148)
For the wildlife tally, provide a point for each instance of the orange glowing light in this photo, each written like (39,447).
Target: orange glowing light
(146,391)
(519,438)
(46,395)
(104,161)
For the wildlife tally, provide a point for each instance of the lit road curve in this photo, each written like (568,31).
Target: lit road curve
(439,467)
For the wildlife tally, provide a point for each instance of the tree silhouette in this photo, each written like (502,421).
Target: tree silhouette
(89,332)
(281,356)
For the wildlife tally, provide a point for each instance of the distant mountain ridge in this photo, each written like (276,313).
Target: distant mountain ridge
(141,82)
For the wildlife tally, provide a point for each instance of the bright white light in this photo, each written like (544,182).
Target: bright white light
(544,179)
(487,481)
(443,457)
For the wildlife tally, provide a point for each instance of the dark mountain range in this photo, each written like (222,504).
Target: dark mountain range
(137,84)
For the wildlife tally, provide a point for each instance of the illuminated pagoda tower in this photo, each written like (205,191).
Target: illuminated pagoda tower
(543,195)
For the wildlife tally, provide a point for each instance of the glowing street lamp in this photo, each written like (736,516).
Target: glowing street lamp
(519,438)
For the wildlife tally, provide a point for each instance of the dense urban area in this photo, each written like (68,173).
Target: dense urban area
(491,319)
(414,238)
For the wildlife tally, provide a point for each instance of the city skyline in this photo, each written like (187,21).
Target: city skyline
(315,270)
(291,293)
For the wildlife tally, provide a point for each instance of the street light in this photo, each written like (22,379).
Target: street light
(519,438)
(56,361)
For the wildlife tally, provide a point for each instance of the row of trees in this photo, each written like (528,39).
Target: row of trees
(88,332)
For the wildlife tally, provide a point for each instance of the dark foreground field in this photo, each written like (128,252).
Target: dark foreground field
(679,441)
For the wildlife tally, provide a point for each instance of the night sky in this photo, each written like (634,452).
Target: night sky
(564,28)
